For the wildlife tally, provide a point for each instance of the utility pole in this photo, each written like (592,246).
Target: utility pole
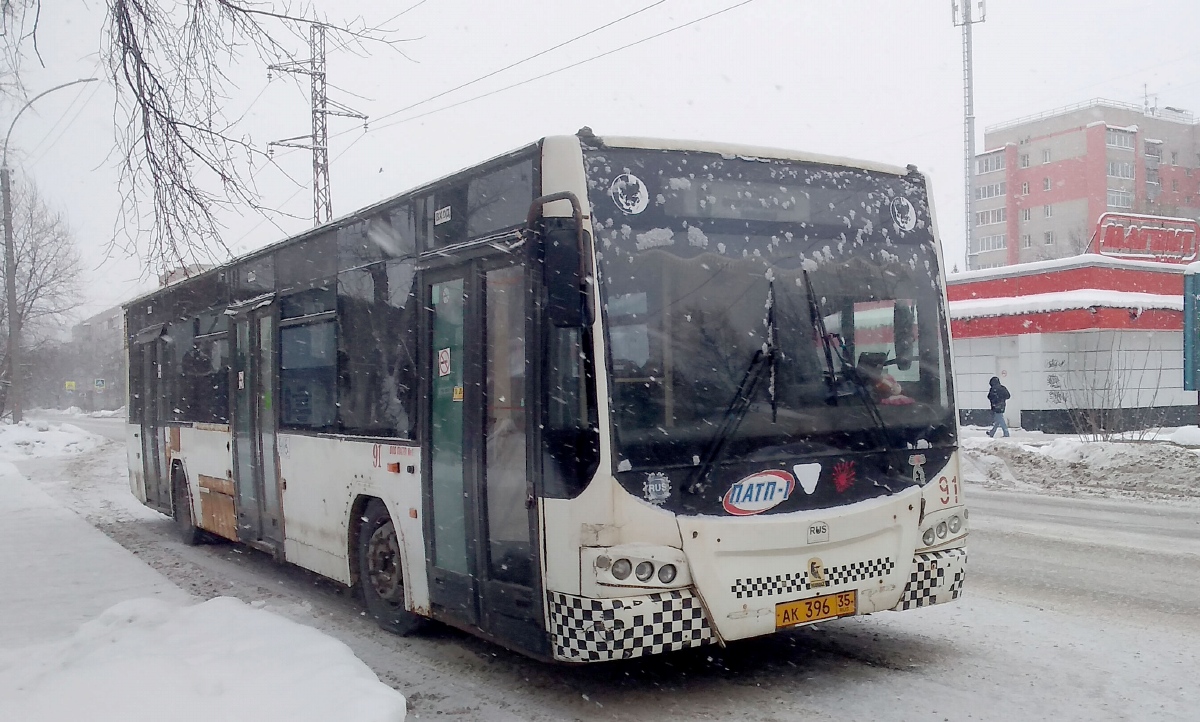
(322,108)
(961,12)
(10,262)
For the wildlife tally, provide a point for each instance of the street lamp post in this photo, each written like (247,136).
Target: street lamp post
(10,262)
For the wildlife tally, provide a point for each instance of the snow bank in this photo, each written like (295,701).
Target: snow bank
(1067,465)
(1185,436)
(108,413)
(222,659)
(35,438)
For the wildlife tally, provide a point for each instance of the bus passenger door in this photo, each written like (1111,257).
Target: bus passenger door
(510,571)
(483,567)
(154,413)
(452,539)
(256,473)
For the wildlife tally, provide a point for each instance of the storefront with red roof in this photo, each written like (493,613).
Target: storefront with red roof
(1083,343)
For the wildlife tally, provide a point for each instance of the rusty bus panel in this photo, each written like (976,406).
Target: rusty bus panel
(217,512)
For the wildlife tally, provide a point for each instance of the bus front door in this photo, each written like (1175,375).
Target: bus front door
(255,465)
(481,529)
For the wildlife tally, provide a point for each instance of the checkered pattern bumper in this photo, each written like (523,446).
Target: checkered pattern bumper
(798,581)
(936,578)
(595,630)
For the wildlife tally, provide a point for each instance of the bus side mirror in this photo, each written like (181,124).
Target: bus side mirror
(563,273)
(902,332)
(560,248)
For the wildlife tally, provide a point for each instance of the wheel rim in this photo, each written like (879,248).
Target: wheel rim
(383,564)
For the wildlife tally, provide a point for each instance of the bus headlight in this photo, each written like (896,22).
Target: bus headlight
(941,530)
(666,573)
(927,538)
(955,524)
(626,568)
(644,571)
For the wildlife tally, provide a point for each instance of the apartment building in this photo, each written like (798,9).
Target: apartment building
(1045,180)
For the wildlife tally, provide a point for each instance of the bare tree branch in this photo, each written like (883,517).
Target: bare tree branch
(182,162)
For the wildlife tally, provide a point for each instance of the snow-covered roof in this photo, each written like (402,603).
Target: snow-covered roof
(1062,301)
(1061,264)
(747,151)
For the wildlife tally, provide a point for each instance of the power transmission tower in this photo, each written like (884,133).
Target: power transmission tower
(961,10)
(322,108)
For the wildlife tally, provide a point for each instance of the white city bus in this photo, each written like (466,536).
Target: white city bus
(593,399)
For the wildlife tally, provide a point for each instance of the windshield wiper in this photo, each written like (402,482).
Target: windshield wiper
(850,371)
(735,413)
(817,315)
(765,358)
(772,348)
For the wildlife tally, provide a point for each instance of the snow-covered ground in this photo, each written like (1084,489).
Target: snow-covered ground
(40,438)
(146,659)
(89,631)
(1075,608)
(76,411)
(1165,467)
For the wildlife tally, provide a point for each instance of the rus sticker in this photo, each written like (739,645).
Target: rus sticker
(656,489)
(759,492)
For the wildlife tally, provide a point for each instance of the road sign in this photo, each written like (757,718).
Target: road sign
(98,384)
(69,385)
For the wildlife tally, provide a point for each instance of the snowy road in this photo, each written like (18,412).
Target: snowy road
(1074,609)
(1095,557)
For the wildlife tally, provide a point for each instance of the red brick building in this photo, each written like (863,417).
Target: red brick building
(1046,179)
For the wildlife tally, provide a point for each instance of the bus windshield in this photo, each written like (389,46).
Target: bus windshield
(762,309)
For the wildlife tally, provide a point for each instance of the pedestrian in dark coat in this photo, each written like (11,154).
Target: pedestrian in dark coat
(997,397)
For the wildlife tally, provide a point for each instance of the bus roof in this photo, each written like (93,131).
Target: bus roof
(746,151)
(612,141)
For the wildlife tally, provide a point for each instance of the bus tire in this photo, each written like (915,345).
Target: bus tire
(182,508)
(380,572)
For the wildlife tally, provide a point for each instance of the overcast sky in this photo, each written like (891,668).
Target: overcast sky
(869,79)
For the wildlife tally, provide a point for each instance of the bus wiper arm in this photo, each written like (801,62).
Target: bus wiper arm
(772,350)
(739,405)
(849,369)
(817,314)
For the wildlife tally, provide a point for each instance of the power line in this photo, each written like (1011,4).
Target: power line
(64,114)
(522,61)
(558,70)
(509,87)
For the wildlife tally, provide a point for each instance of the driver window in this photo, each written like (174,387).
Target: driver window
(875,337)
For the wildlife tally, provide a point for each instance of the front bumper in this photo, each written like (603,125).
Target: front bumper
(935,578)
(597,630)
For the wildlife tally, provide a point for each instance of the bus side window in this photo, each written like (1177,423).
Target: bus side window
(572,443)
(376,363)
(307,374)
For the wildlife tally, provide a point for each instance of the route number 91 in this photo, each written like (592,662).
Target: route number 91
(949,490)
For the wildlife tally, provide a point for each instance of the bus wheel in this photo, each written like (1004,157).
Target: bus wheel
(188,531)
(380,572)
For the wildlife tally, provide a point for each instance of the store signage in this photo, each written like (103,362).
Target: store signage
(1150,238)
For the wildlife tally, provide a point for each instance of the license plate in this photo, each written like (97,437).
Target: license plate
(814,609)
